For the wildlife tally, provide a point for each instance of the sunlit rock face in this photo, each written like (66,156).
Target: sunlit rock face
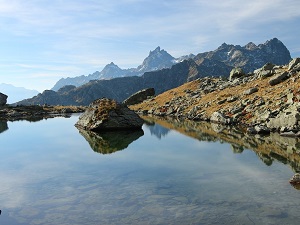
(107,114)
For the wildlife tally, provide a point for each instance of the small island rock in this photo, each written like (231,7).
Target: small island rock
(107,114)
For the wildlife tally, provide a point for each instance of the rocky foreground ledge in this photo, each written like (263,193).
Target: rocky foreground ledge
(266,100)
(36,112)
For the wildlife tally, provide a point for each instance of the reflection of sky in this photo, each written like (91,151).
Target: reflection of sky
(49,175)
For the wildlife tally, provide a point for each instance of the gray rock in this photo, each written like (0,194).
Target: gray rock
(251,91)
(3,99)
(293,63)
(218,117)
(258,129)
(261,129)
(139,96)
(268,66)
(236,73)
(288,118)
(278,78)
(107,114)
(290,134)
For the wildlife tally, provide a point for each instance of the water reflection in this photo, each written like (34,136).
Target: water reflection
(3,126)
(267,148)
(110,141)
(155,129)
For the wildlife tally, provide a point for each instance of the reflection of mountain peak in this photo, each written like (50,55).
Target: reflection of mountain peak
(158,131)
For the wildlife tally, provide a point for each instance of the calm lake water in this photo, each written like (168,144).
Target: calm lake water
(52,173)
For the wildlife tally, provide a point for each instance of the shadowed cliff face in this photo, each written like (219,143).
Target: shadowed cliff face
(268,148)
(110,141)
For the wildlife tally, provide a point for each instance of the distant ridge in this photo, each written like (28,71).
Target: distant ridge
(214,63)
(156,60)
(16,94)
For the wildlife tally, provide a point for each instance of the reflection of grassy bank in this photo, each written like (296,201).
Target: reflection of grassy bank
(268,148)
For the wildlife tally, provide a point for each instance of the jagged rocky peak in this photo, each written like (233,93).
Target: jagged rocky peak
(157,59)
(111,66)
(250,46)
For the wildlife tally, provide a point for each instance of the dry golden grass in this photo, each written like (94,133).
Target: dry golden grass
(270,94)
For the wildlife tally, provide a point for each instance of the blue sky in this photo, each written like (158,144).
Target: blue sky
(42,41)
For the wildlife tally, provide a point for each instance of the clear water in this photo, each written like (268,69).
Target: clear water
(50,174)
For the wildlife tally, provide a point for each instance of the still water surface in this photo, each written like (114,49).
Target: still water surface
(53,174)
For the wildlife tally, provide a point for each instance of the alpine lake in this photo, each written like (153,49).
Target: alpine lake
(171,172)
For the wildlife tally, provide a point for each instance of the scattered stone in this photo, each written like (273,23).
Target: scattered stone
(251,91)
(258,129)
(290,134)
(268,66)
(293,63)
(236,73)
(287,118)
(107,114)
(278,78)
(218,117)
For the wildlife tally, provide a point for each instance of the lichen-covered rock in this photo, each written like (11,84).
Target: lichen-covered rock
(287,118)
(218,117)
(3,99)
(140,96)
(236,73)
(107,114)
(293,63)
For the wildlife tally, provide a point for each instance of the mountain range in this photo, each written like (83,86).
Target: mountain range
(156,60)
(175,72)
(16,94)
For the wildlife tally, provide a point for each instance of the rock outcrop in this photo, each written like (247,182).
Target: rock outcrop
(266,100)
(106,114)
(140,96)
(3,99)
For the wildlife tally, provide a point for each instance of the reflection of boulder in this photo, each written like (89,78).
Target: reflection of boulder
(268,148)
(295,181)
(107,114)
(237,148)
(3,126)
(110,141)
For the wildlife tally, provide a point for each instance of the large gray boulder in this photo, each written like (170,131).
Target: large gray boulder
(106,114)
(3,99)
(139,96)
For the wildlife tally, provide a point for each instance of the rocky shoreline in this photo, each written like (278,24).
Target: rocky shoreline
(264,101)
(36,112)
